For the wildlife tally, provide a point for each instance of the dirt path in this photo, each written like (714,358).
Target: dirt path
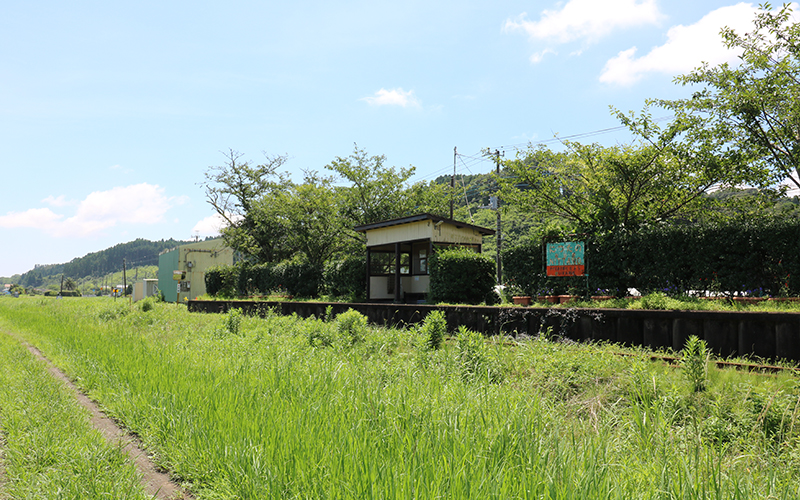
(155,482)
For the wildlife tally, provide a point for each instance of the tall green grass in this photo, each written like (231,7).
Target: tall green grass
(270,411)
(49,449)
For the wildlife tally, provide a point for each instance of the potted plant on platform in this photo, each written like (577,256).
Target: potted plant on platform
(518,295)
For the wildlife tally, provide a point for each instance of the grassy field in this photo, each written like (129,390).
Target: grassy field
(47,446)
(281,407)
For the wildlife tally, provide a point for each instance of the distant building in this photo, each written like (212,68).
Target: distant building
(183,269)
(398,251)
(145,288)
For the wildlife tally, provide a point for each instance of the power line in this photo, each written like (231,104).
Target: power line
(516,147)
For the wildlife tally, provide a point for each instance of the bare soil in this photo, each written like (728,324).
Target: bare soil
(156,482)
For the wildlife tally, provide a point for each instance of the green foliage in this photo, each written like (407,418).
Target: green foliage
(475,360)
(351,327)
(221,280)
(256,415)
(244,194)
(376,192)
(299,278)
(752,106)
(148,304)
(750,256)
(621,187)
(233,321)
(434,329)
(461,275)
(695,363)
(346,277)
(656,301)
(63,293)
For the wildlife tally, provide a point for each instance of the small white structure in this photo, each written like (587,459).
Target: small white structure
(144,289)
(398,251)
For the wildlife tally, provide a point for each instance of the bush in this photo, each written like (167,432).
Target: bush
(476,363)
(346,277)
(301,279)
(459,275)
(222,280)
(148,304)
(65,293)
(351,327)
(434,329)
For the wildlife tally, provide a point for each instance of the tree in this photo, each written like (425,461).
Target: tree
(245,195)
(754,106)
(376,192)
(601,188)
(311,213)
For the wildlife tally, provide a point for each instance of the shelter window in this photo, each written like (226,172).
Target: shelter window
(382,263)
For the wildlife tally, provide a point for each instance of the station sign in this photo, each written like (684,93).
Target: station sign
(566,258)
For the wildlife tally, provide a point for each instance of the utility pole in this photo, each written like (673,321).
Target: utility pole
(124,280)
(498,234)
(453,181)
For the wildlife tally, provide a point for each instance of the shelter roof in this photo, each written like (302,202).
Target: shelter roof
(422,217)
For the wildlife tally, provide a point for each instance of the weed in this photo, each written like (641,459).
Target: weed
(233,321)
(476,363)
(434,329)
(695,363)
(351,326)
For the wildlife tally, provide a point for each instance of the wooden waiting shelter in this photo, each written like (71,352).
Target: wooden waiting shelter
(398,252)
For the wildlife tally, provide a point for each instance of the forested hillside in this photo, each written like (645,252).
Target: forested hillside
(137,253)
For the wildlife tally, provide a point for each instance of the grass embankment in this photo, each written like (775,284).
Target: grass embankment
(47,445)
(290,408)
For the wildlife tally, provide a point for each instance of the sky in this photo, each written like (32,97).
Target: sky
(112,112)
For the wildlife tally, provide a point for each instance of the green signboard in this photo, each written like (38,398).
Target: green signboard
(566,258)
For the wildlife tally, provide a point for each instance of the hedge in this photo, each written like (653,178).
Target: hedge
(245,279)
(346,277)
(751,257)
(459,275)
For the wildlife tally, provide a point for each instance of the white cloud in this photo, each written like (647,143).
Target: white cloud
(393,97)
(59,202)
(35,218)
(136,204)
(687,47)
(210,226)
(586,20)
(538,56)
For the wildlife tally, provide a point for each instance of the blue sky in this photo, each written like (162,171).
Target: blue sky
(111,112)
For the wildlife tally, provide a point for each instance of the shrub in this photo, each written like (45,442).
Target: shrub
(148,304)
(221,281)
(233,321)
(346,277)
(301,278)
(459,275)
(351,326)
(434,329)
(475,361)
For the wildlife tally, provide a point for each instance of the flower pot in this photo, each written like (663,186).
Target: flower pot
(784,299)
(602,297)
(748,300)
(563,299)
(523,300)
(553,299)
